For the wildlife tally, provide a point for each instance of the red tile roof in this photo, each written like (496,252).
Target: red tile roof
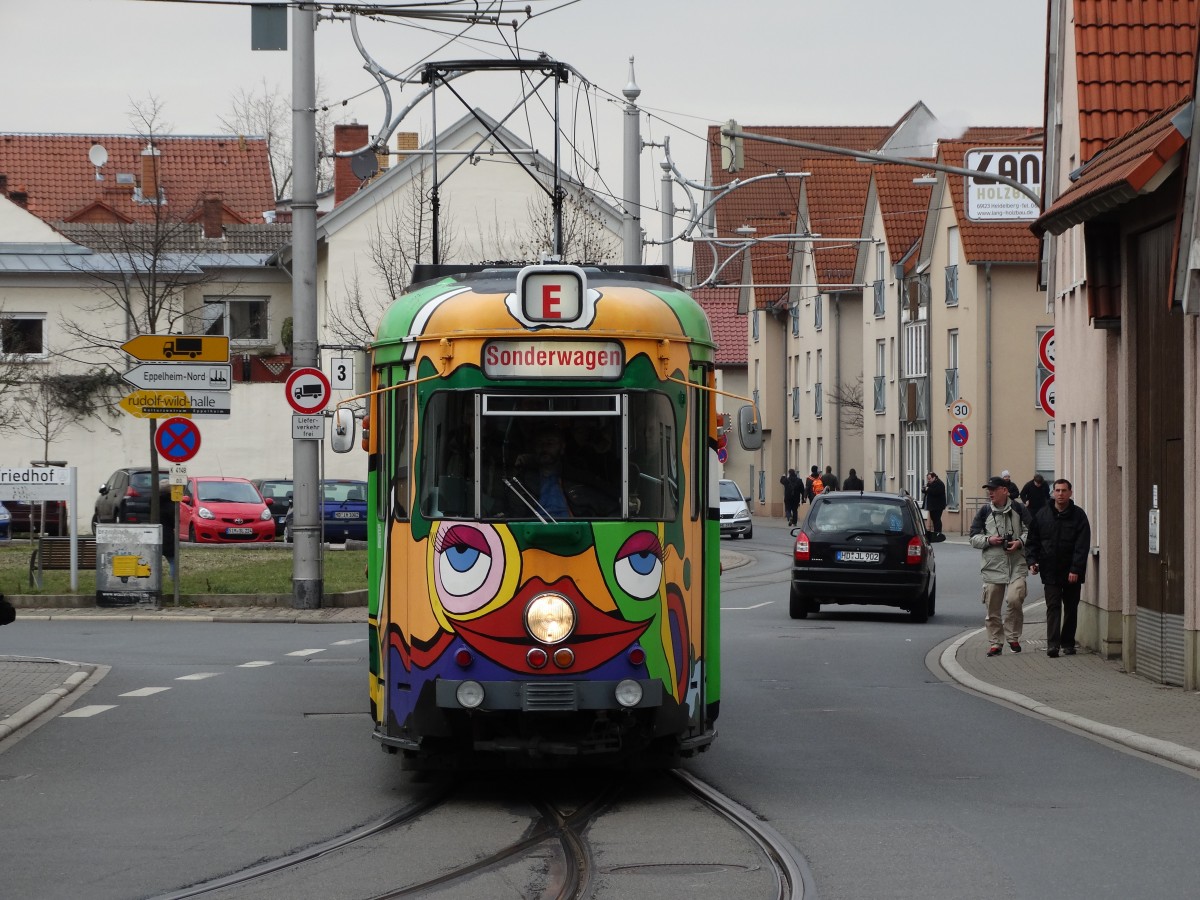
(1132,59)
(837,192)
(1119,173)
(728,328)
(61,183)
(997,242)
(903,206)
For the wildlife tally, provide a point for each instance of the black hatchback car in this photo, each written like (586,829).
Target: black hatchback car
(869,548)
(125,497)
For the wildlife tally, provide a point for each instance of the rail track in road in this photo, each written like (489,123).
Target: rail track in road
(573,841)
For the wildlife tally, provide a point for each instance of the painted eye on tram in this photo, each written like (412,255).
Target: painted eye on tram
(638,565)
(468,566)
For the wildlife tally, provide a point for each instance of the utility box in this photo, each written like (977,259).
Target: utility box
(128,564)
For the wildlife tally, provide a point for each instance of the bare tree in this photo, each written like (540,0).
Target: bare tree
(401,237)
(266,112)
(584,237)
(849,400)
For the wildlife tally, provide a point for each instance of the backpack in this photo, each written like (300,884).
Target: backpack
(818,486)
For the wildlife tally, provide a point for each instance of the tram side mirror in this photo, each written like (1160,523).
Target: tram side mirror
(749,428)
(342,440)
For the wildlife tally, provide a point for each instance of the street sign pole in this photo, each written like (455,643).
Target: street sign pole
(307,582)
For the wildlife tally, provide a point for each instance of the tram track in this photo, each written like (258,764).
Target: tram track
(554,856)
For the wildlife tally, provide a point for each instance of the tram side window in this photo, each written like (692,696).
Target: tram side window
(447,485)
(397,449)
(653,456)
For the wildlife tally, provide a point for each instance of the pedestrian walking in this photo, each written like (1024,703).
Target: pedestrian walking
(1013,491)
(1035,494)
(1060,540)
(793,490)
(830,480)
(813,484)
(852,482)
(934,492)
(1001,530)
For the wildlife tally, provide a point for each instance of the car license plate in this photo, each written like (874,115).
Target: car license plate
(346,515)
(858,556)
(232,531)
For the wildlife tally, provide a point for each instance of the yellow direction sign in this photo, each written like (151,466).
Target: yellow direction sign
(181,347)
(209,405)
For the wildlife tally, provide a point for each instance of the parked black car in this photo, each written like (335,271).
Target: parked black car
(279,491)
(869,548)
(125,497)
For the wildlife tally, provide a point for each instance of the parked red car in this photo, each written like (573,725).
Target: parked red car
(224,511)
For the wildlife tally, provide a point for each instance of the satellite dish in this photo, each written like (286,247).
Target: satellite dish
(364,164)
(98,155)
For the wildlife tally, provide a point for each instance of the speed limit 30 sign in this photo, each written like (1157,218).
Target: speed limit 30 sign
(960,409)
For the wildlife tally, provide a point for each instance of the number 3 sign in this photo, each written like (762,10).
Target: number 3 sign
(341,373)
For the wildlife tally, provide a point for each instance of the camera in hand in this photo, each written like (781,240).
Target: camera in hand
(1007,538)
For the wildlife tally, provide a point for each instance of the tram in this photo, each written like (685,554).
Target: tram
(544,564)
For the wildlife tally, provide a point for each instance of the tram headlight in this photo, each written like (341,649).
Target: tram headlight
(550,618)
(469,694)
(628,693)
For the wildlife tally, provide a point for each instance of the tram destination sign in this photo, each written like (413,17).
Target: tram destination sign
(181,376)
(553,359)
(164,404)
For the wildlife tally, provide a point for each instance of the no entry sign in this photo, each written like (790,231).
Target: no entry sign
(177,440)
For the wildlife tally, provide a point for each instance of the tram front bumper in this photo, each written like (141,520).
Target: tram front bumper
(550,696)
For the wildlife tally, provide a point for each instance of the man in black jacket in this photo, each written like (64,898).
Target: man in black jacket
(1059,543)
(1035,494)
(935,503)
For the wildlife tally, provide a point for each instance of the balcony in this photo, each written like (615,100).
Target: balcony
(914,400)
(951,385)
(880,309)
(952,285)
(880,393)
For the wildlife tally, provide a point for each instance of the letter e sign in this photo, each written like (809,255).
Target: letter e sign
(551,295)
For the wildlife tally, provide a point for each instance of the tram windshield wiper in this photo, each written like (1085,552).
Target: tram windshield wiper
(524,495)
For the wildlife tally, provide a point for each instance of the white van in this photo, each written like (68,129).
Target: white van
(735,511)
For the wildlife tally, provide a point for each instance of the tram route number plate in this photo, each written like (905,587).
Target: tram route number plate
(857,556)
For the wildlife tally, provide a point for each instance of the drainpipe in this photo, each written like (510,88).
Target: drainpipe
(987,277)
(837,383)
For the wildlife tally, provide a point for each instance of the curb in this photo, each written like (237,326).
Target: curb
(32,710)
(1172,752)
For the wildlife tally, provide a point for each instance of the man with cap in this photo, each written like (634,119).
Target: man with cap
(1001,530)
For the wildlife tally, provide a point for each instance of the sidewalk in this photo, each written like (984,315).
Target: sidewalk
(1083,691)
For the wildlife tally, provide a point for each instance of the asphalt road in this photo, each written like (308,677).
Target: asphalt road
(892,782)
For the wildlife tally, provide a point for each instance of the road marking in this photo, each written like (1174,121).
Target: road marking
(198,676)
(755,606)
(351,641)
(85,711)
(144,692)
(308,652)
(255,663)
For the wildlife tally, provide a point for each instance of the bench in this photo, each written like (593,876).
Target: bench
(54,554)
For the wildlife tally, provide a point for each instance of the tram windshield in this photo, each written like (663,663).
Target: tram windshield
(549,458)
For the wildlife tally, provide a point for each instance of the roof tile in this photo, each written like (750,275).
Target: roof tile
(62,184)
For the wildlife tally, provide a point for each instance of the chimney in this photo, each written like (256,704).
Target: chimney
(346,137)
(405,140)
(3,185)
(213,218)
(150,163)
(19,197)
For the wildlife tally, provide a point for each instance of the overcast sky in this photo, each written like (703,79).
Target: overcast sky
(76,66)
